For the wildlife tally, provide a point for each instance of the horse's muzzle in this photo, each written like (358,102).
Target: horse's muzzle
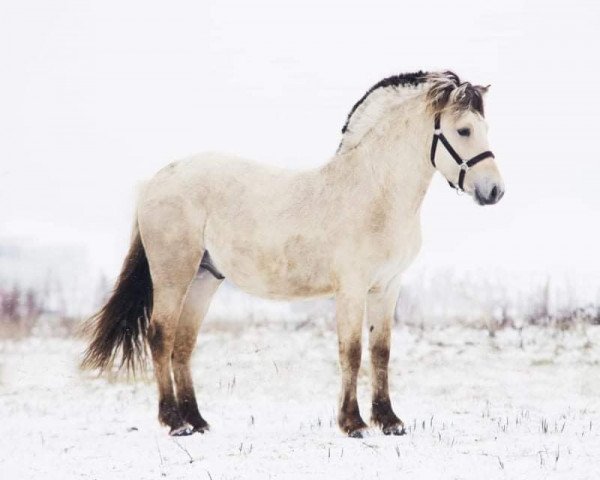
(489,197)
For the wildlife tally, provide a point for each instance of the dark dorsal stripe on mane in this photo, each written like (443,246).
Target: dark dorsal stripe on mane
(403,79)
(443,84)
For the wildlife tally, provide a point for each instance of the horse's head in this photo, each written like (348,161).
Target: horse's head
(460,152)
(458,132)
(460,149)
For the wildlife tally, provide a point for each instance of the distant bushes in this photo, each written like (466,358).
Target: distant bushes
(428,299)
(19,310)
(500,300)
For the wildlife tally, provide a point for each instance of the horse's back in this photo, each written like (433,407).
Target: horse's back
(260,224)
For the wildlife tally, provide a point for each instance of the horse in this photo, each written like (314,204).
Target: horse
(347,229)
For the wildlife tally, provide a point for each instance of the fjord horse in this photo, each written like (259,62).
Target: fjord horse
(347,229)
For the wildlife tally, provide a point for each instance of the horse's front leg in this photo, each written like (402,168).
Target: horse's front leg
(381,305)
(350,312)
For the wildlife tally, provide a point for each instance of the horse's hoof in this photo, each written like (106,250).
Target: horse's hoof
(200,426)
(182,431)
(354,428)
(397,430)
(355,434)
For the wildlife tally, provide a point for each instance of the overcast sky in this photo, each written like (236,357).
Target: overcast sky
(96,96)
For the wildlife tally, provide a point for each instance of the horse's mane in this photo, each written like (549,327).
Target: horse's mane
(443,91)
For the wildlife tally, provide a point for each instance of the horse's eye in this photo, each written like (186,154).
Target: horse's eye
(464,132)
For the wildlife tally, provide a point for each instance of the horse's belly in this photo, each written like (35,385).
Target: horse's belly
(282,287)
(293,270)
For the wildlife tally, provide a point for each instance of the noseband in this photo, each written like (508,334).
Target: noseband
(464,165)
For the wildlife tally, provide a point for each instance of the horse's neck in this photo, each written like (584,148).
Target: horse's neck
(390,162)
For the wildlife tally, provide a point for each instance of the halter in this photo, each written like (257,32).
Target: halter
(464,165)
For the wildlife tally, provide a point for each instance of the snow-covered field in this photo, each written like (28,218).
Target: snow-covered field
(521,404)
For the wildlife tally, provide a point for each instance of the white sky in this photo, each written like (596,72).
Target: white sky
(96,96)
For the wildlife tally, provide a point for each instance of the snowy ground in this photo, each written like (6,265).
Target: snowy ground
(518,405)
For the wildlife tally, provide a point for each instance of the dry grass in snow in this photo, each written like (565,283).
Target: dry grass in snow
(521,404)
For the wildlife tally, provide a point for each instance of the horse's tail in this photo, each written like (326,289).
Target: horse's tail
(120,328)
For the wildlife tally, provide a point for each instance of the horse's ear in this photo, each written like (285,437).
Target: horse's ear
(481,89)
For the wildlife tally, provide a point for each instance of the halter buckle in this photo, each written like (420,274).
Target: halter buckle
(464,166)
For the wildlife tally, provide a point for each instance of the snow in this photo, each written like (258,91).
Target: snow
(521,404)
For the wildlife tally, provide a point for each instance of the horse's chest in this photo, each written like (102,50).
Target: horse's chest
(395,252)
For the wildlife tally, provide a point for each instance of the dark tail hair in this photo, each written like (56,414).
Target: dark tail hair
(120,328)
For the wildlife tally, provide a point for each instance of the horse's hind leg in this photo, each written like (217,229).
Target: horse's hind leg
(194,309)
(168,300)
(172,241)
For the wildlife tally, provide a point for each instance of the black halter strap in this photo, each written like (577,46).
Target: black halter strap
(464,165)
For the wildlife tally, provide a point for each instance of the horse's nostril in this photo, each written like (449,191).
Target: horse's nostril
(493,194)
